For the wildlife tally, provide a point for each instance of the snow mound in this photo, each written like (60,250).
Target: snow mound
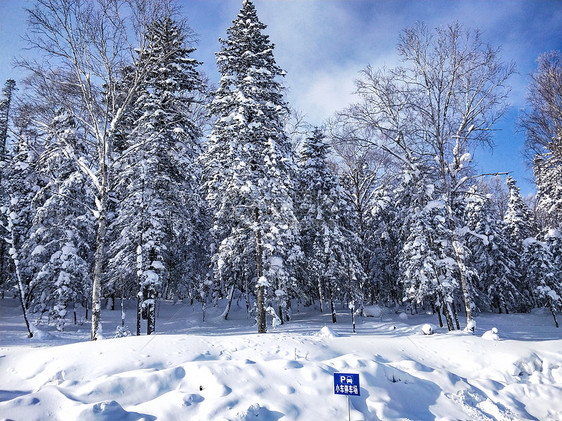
(111,411)
(491,335)
(428,329)
(256,412)
(528,367)
(403,316)
(327,332)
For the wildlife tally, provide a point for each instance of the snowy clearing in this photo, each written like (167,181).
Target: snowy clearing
(222,370)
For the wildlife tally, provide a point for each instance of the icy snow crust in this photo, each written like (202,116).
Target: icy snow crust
(222,370)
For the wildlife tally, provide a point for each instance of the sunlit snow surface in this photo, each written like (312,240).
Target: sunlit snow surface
(222,370)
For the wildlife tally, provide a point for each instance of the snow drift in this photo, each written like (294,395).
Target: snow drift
(221,370)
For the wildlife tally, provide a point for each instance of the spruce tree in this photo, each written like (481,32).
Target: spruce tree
(5,108)
(518,217)
(159,204)
(426,269)
(331,263)
(548,177)
(62,231)
(493,255)
(519,222)
(248,170)
(540,277)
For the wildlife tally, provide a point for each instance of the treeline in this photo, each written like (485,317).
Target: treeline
(126,175)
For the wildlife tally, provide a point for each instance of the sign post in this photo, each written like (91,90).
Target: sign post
(347,384)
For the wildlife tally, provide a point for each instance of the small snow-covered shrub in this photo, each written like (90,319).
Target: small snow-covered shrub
(122,331)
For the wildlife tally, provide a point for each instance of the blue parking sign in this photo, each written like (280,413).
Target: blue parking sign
(346,384)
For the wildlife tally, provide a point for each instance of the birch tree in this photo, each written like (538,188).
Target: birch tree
(436,108)
(92,40)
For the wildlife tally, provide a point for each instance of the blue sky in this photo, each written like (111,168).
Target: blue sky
(323,44)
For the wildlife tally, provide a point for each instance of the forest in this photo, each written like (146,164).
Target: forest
(126,175)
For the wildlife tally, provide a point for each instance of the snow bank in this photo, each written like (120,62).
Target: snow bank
(223,371)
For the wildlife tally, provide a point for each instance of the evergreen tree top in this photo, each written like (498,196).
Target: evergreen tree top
(518,216)
(247,51)
(315,150)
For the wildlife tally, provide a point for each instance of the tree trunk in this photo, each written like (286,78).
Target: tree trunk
(247,294)
(320,294)
(352,317)
(464,284)
(261,310)
(554,316)
(8,89)
(98,269)
(122,312)
(262,327)
(281,314)
(438,310)
(151,316)
(139,314)
(20,287)
(332,306)
(288,310)
(456,317)
(224,314)
(448,318)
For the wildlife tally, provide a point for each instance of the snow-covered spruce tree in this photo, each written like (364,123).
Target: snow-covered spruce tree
(543,283)
(493,255)
(427,270)
(331,263)
(518,217)
(5,108)
(519,221)
(553,239)
(387,238)
(121,279)
(60,241)
(422,271)
(159,205)
(548,178)
(248,166)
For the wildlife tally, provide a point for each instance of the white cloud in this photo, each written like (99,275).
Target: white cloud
(320,94)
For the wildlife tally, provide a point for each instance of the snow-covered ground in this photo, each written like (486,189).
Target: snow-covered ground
(222,370)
